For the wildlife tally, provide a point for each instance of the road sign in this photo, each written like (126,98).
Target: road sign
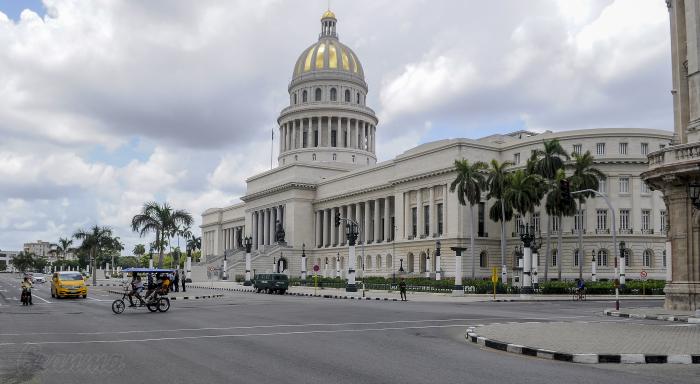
(494,275)
(316,268)
(643,274)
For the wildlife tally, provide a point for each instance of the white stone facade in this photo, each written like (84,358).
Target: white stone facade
(403,205)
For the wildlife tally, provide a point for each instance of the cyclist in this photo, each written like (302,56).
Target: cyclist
(136,289)
(26,291)
(580,288)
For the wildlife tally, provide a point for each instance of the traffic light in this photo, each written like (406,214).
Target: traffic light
(337,219)
(565,190)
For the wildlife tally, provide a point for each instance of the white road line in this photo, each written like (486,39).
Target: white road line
(45,301)
(92,298)
(235,335)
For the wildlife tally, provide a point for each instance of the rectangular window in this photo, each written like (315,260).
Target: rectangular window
(535,221)
(662,216)
(646,219)
(516,158)
(645,187)
(602,219)
(483,260)
(439,219)
(554,258)
(624,219)
(602,258)
(578,149)
(578,220)
(627,258)
(646,256)
(426,220)
(481,220)
(624,185)
(414,222)
(623,148)
(556,227)
(645,149)
(663,259)
(600,149)
(603,186)
(576,258)
(517,221)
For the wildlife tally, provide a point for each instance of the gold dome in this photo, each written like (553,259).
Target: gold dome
(328,14)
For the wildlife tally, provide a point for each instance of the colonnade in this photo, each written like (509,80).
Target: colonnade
(264,224)
(375,218)
(232,237)
(327,131)
(425,212)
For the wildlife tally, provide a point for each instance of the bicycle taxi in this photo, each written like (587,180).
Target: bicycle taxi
(155,297)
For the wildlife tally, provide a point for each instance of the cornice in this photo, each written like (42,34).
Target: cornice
(277,189)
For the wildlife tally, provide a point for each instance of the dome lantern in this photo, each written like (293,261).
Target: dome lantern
(328,21)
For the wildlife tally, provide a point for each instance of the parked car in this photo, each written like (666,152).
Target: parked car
(271,282)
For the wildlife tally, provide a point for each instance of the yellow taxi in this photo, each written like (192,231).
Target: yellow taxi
(68,284)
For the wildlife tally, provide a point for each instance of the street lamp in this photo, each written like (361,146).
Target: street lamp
(303,264)
(438,269)
(527,236)
(248,242)
(274,264)
(427,263)
(401,267)
(623,252)
(593,267)
(536,245)
(337,265)
(351,231)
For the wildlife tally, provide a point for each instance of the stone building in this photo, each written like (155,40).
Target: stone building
(328,166)
(675,170)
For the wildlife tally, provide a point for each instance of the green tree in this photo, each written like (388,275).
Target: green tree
(193,243)
(584,177)
(139,250)
(64,246)
(523,193)
(469,183)
(557,206)
(24,261)
(547,162)
(95,241)
(161,220)
(498,181)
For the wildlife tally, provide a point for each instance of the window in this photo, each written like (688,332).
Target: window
(645,187)
(516,158)
(335,157)
(628,257)
(481,220)
(414,221)
(554,257)
(603,186)
(334,94)
(645,149)
(600,149)
(646,219)
(347,95)
(576,258)
(313,156)
(318,94)
(663,259)
(602,219)
(602,258)
(647,256)
(483,260)
(358,97)
(624,185)
(556,225)
(304,97)
(624,219)
(662,216)
(353,158)
(623,148)
(439,219)
(518,221)
(426,220)
(579,220)
(334,138)
(295,99)
(535,221)
(578,149)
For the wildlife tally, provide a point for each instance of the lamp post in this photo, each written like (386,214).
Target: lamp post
(274,264)
(325,268)
(248,242)
(393,255)
(224,275)
(427,263)
(623,254)
(401,267)
(303,264)
(351,231)
(536,245)
(593,267)
(438,270)
(337,265)
(527,236)
(458,289)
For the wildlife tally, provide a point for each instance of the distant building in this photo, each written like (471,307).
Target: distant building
(41,248)
(6,260)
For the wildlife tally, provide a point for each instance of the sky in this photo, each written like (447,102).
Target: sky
(107,104)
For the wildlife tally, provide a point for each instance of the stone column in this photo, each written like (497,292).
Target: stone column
(366,226)
(458,290)
(432,216)
(254,228)
(326,232)
(408,224)
(419,213)
(357,214)
(377,222)
(266,226)
(319,232)
(334,230)
(328,131)
(388,231)
(683,292)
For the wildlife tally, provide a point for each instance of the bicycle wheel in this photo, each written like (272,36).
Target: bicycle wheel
(152,305)
(118,306)
(163,304)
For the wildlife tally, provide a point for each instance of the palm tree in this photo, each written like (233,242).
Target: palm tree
(556,205)
(162,220)
(585,176)
(524,192)
(94,241)
(498,181)
(469,183)
(139,250)
(64,246)
(193,243)
(547,163)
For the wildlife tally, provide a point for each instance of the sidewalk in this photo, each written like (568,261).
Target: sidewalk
(594,342)
(655,314)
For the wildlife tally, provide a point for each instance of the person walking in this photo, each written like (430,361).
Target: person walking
(176,281)
(184,280)
(402,290)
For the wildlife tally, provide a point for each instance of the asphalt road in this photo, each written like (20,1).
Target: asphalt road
(258,338)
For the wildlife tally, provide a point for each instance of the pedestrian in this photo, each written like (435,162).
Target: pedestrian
(183,279)
(176,281)
(402,289)
(170,286)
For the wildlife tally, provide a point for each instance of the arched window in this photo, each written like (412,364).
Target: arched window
(368,263)
(296,157)
(313,156)
(378,265)
(358,97)
(389,261)
(335,157)
(602,258)
(483,259)
(318,94)
(347,95)
(304,97)
(295,99)
(353,158)
(334,94)
(647,258)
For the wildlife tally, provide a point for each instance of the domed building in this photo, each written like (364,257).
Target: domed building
(327,166)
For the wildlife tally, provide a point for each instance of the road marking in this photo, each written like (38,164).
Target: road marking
(237,335)
(45,301)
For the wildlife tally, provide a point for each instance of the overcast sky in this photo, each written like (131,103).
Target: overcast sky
(106,104)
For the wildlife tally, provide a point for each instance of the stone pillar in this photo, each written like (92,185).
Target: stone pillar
(357,214)
(329,129)
(319,231)
(366,226)
(334,230)
(408,224)
(261,227)
(419,213)
(377,222)
(431,214)
(266,227)
(458,290)
(326,231)
(388,231)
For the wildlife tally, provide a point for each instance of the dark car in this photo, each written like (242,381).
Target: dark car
(271,282)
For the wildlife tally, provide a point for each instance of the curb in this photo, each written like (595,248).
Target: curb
(182,297)
(581,358)
(680,319)
(324,296)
